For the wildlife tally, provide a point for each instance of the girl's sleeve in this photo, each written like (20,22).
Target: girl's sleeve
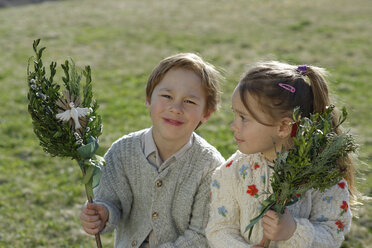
(113,190)
(329,220)
(223,229)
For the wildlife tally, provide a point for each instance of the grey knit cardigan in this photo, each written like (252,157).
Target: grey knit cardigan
(174,202)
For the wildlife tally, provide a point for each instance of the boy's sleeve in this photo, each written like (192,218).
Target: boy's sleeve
(113,190)
(329,220)
(194,236)
(223,228)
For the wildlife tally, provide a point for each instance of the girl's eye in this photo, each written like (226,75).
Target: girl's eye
(243,118)
(190,102)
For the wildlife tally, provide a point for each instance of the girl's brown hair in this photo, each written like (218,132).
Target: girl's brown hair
(311,95)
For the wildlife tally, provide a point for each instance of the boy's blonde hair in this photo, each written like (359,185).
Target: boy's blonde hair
(208,74)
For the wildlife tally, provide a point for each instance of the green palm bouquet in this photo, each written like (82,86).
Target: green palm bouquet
(315,161)
(67,123)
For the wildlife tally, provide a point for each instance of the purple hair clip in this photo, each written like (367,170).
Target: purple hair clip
(288,87)
(302,69)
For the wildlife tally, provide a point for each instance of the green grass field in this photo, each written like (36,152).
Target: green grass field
(40,197)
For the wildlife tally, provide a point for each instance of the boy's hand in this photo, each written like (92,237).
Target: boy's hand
(278,229)
(93,218)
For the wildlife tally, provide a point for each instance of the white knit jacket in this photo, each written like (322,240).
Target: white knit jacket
(322,218)
(172,202)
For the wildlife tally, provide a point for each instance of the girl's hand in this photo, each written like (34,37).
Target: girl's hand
(93,218)
(277,229)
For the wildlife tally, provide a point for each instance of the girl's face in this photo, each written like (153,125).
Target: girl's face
(251,135)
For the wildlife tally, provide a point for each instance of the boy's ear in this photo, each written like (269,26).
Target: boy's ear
(207,116)
(285,127)
(147,103)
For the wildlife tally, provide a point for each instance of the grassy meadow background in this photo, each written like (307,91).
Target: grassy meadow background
(122,40)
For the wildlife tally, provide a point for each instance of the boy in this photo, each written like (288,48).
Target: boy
(155,187)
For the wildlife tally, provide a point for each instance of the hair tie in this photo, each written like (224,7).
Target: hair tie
(288,87)
(302,69)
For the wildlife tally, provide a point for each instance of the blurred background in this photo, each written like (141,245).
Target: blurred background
(123,40)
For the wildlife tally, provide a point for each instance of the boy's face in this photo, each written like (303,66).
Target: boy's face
(177,105)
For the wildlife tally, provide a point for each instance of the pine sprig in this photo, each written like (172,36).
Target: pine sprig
(55,137)
(315,161)
(63,130)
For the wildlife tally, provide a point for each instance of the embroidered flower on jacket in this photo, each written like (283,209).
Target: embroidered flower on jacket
(322,219)
(341,185)
(328,198)
(340,226)
(229,163)
(256,166)
(252,190)
(222,211)
(243,171)
(216,184)
(344,207)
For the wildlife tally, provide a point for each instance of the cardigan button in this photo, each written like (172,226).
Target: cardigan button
(159,183)
(134,243)
(155,215)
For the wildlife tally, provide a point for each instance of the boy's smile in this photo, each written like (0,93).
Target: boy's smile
(177,106)
(173,122)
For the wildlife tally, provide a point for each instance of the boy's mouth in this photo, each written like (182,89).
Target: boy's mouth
(173,122)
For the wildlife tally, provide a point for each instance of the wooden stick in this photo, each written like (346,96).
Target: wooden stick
(90,200)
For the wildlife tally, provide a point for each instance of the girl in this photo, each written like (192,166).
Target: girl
(263,103)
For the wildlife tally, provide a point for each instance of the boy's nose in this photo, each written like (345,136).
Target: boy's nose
(176,107)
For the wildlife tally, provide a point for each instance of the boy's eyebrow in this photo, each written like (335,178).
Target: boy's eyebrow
(189,95)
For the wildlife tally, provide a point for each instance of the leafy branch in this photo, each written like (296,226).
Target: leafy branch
(77,136)
(315,161)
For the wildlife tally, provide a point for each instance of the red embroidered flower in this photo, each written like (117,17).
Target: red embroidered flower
(229,164)
(340,226)
(344,207)
(294,130)
(252,190)
(256,166)
(341,185)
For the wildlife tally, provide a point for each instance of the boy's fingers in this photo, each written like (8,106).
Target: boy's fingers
(91,225)
(92,206)
(91,231)
(89,211)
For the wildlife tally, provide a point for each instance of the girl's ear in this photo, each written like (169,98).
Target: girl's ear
(285,127)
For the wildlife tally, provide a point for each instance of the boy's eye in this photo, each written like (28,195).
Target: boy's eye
(166,96)
(190,102)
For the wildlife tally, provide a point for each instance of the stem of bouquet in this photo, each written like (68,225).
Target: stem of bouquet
(267,243)
(90,200)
